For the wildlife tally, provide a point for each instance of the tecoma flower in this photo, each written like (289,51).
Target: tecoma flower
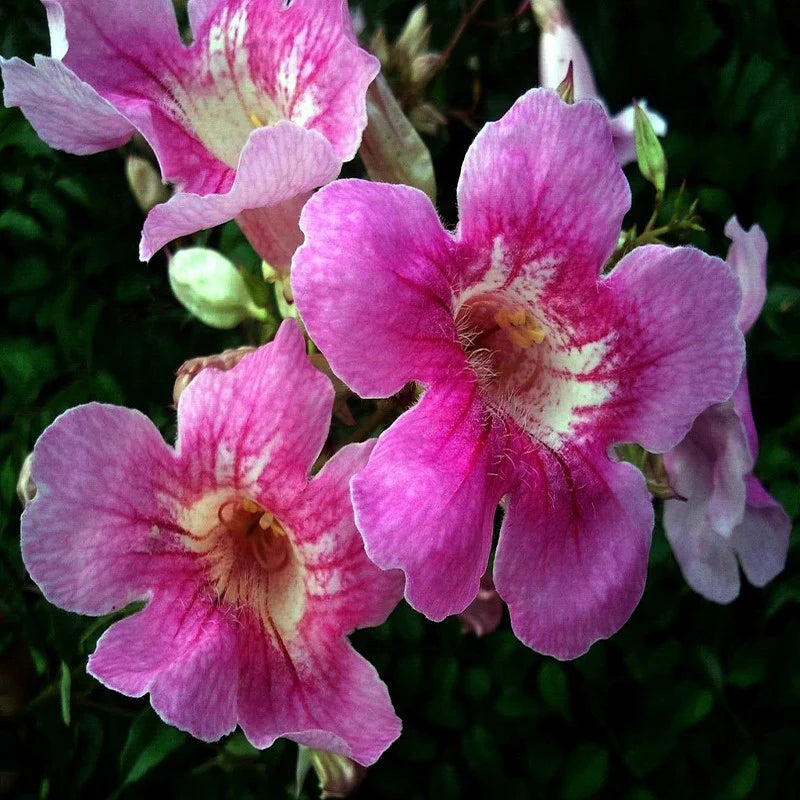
(534,366)
(558,45)
(261,108)
(727,514)
(252,572)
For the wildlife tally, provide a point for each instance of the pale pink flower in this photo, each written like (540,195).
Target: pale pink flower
(252,572)
(484,613)
(727,515)
(534,366)
(262,107)
(558,45)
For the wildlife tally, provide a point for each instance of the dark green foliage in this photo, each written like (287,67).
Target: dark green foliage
(689,700)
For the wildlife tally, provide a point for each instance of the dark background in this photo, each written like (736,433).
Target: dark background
(691,699)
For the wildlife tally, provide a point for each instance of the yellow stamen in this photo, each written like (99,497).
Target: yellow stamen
(250,506)
(257,123)
(521,329)
(265,521)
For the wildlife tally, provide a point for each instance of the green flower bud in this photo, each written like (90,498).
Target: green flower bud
(649,153)
(209,286)
(145,183)
(391,149)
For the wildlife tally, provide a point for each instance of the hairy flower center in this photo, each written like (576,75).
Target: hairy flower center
(249,558)
(499,338)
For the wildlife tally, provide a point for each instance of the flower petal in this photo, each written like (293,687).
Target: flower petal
(346,590)
(572,557)
(321,694)
(542,192)
(257,427)
(274,231)
(92,537)
(426,500)
(277,164)
(67,113)
(677,348)
(706,558)
(762,540)
(305,57)
(371,287)
(747,257)
(199,11)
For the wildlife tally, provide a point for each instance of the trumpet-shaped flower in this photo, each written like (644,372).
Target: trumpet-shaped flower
(727,515)
(558,46)
(534,366)
(252,572)
(261,108)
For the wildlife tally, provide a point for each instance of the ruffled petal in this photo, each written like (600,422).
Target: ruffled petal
(747,257)
(258,427)
(305,57)
(426,500)
(541,196)
(572,557)
(183,650)
(277,164)
(66,113)
(345,590)
(676,348)
(98,534)
(762,540)
(371,285)
(318,693)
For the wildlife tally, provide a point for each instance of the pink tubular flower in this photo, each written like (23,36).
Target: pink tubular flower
(484,613)
(262,107)
(534,366)
(253,573)
(728,514)
(558,45)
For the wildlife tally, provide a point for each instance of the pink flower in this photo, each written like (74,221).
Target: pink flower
(484,613)
(534,366)
(728,514)
(558,45)
(253,573)
(262,107)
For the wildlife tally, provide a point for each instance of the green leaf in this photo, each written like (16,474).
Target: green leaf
(65,688)
(553,687)
(586,772)
(149,742)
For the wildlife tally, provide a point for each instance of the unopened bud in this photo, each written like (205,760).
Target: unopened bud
(209,286)
(379,45)
(145,183)
(566,89)
(190,369)
(338,775)
(423,68)
(427,118)
(26,488)
(415,36)
(391,149)
(649,153)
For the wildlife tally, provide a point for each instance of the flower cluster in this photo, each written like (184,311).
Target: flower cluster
(509,358)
